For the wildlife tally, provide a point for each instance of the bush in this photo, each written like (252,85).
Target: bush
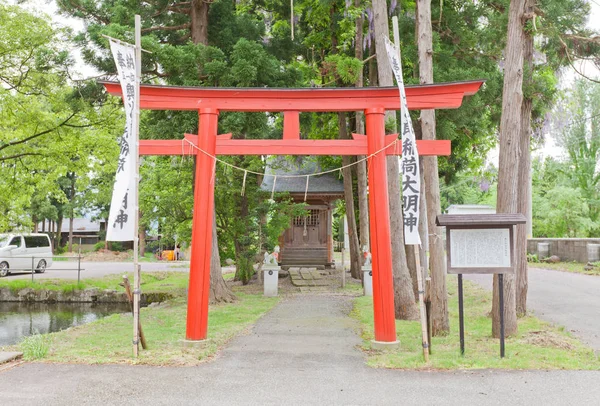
(116,246)
(532,258)
(60,250)
(99,246)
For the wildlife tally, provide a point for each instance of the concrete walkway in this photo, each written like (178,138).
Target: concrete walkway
(563,298)
(302,353)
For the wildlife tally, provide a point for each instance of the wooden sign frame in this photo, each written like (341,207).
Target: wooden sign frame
(480,222)
(480,270)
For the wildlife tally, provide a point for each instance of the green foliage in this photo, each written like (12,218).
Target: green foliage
(35,346)
(99,246)
(532,258)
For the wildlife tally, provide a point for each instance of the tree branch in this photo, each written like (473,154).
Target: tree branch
(171,28)
(24,140)
(6,158)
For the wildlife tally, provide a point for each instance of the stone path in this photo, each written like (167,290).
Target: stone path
(308,279)
(301,353)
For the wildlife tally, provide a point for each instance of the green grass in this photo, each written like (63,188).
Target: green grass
(152,282)
(36,346)
(538,345)
(109,340)
(574,267)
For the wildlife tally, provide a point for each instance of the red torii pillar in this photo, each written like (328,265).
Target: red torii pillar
(374,101)
(202,223)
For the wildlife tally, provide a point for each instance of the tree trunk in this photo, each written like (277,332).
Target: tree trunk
(219,291)
(437,257)
(404,298)
(508,170)
(71,219)
(355,262)
(58,233)
(373,80)
(199,20)
(361,167)
(524,173)
(105,240)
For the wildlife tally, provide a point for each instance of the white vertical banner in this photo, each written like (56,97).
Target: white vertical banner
(411,178)
(121,220)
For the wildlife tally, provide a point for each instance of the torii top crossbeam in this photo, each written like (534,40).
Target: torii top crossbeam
(422,97)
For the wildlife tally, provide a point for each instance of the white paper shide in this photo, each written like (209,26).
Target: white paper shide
(121,219)
(411,177)
(480,248)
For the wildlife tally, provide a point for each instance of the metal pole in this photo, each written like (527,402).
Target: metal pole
(136,133)
(461,315)
(501,310)
(32,270)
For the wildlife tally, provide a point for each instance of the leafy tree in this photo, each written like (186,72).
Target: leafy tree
(580,137)
(48,127)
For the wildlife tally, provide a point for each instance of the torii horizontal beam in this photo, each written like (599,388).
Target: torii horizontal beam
(227,146)
(435,96)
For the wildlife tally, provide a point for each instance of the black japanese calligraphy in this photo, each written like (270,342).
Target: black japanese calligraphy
(407,147)
(411,203)
(409,165)
(121,219)
(120,60)
(121,165)
(410,221)
(130,61)
(408,184)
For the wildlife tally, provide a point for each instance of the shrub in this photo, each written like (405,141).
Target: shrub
(116,246)
(60,250)
(99,246)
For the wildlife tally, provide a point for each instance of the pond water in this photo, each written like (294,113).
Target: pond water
(18,320)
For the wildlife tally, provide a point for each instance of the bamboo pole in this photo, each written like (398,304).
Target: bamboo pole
(422,310)
(127,287)
(136,134)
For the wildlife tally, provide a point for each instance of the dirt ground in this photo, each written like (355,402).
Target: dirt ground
(107,256)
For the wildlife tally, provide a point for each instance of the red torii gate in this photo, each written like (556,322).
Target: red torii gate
(374,101)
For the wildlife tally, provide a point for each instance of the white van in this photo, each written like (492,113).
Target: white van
(18,252)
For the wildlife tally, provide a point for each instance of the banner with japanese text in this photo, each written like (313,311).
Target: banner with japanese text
(121,219)
(411,177)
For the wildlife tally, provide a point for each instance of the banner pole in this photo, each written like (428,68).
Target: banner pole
(136,134)
(422,309)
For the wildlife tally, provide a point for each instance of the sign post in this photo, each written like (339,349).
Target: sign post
(480,244)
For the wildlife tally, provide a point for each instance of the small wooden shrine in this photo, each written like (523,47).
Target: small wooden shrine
(309,239)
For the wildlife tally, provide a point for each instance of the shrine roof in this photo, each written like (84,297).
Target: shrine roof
(327,183)
(431,96)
